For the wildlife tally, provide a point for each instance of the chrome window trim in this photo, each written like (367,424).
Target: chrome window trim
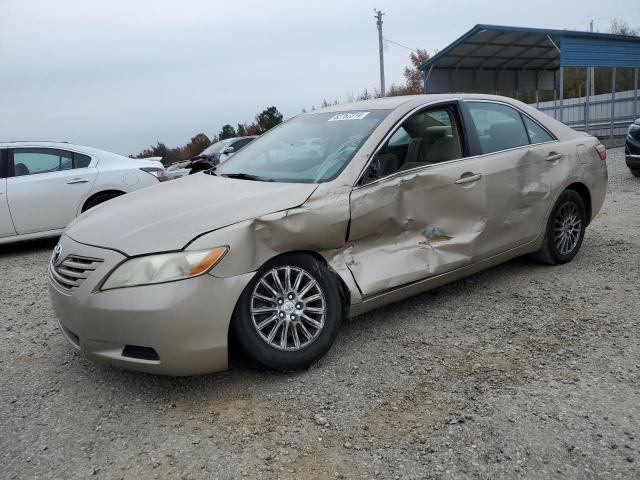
(473,157)
(417,169)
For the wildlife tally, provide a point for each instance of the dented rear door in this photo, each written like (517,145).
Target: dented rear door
(417,224)
(520,185)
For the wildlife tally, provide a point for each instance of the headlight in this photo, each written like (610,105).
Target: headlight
(164,267)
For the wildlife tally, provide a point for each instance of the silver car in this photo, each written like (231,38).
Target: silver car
(282,242)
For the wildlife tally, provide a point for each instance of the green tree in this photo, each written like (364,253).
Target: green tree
(268,118)
(227,131)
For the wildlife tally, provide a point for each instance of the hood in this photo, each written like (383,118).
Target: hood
(169,215)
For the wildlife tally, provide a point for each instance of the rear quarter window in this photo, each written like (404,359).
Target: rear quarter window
(80,160)
(537,134)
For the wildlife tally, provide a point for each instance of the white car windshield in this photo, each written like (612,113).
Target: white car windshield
(306,149)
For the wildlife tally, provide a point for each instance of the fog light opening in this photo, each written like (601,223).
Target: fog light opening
(141,353)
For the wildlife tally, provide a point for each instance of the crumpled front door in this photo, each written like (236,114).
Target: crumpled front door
(416,225)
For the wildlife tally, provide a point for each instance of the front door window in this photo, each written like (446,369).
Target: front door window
(426,138)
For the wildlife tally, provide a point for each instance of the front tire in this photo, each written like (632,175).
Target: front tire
(289,315)
(635,173)
(565,230)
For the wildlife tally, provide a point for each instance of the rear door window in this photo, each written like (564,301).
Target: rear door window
(31,161)
(499,126)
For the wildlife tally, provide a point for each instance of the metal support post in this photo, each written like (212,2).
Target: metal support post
(561,94)
(613,101)
(587,107)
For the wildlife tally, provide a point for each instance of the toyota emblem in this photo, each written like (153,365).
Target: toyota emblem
(57,254)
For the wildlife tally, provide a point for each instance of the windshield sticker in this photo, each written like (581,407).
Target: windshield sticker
(348,116)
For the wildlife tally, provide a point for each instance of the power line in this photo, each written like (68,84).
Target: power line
(400,45)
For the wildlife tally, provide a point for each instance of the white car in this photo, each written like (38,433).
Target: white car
(45,185)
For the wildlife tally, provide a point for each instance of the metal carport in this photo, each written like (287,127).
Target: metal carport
(493,58)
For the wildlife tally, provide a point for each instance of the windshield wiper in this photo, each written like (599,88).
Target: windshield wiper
(246,176)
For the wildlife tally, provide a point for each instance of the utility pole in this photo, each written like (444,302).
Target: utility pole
(378,15)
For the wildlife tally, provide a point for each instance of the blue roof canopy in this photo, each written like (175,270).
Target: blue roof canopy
(494,57)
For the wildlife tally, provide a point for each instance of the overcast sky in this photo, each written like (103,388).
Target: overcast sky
(122,74)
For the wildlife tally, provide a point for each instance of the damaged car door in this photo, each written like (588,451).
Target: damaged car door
(420,207)
(523,162)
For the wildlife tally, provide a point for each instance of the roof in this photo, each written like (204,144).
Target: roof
(411,101)
(512,48)
(59,145)
(383,103)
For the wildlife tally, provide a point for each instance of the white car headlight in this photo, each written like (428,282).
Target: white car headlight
(164,267)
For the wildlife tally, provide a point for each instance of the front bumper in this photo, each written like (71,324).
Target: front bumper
(185,323)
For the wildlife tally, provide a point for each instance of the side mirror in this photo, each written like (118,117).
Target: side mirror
(229,150)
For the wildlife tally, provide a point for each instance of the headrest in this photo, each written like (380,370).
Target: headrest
(20,169)
(431,134)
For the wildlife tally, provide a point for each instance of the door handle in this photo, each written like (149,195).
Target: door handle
(474,177)
(553,156)
(77,180)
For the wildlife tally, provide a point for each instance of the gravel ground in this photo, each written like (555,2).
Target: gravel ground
(522,371)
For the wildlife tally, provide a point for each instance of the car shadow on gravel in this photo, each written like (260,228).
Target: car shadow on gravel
(27,246)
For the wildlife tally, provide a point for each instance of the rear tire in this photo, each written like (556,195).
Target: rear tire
(98,199)
(635,173)
(565,230)
(289,315)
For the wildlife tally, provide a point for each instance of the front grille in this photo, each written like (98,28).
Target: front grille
(73,270)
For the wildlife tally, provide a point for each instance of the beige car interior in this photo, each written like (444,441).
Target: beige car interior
(431,137)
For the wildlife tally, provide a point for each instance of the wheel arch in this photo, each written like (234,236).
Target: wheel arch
(97,194)
(582,190)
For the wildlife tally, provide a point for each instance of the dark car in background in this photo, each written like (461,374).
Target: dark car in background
(632,148)
(209,157)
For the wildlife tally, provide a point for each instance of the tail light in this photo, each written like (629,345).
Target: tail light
(601,151)
(159,173)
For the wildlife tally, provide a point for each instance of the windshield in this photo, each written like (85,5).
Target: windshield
(215,149)
(307,149)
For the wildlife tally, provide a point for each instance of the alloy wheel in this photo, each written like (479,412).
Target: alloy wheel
(288,308)
(567,228)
